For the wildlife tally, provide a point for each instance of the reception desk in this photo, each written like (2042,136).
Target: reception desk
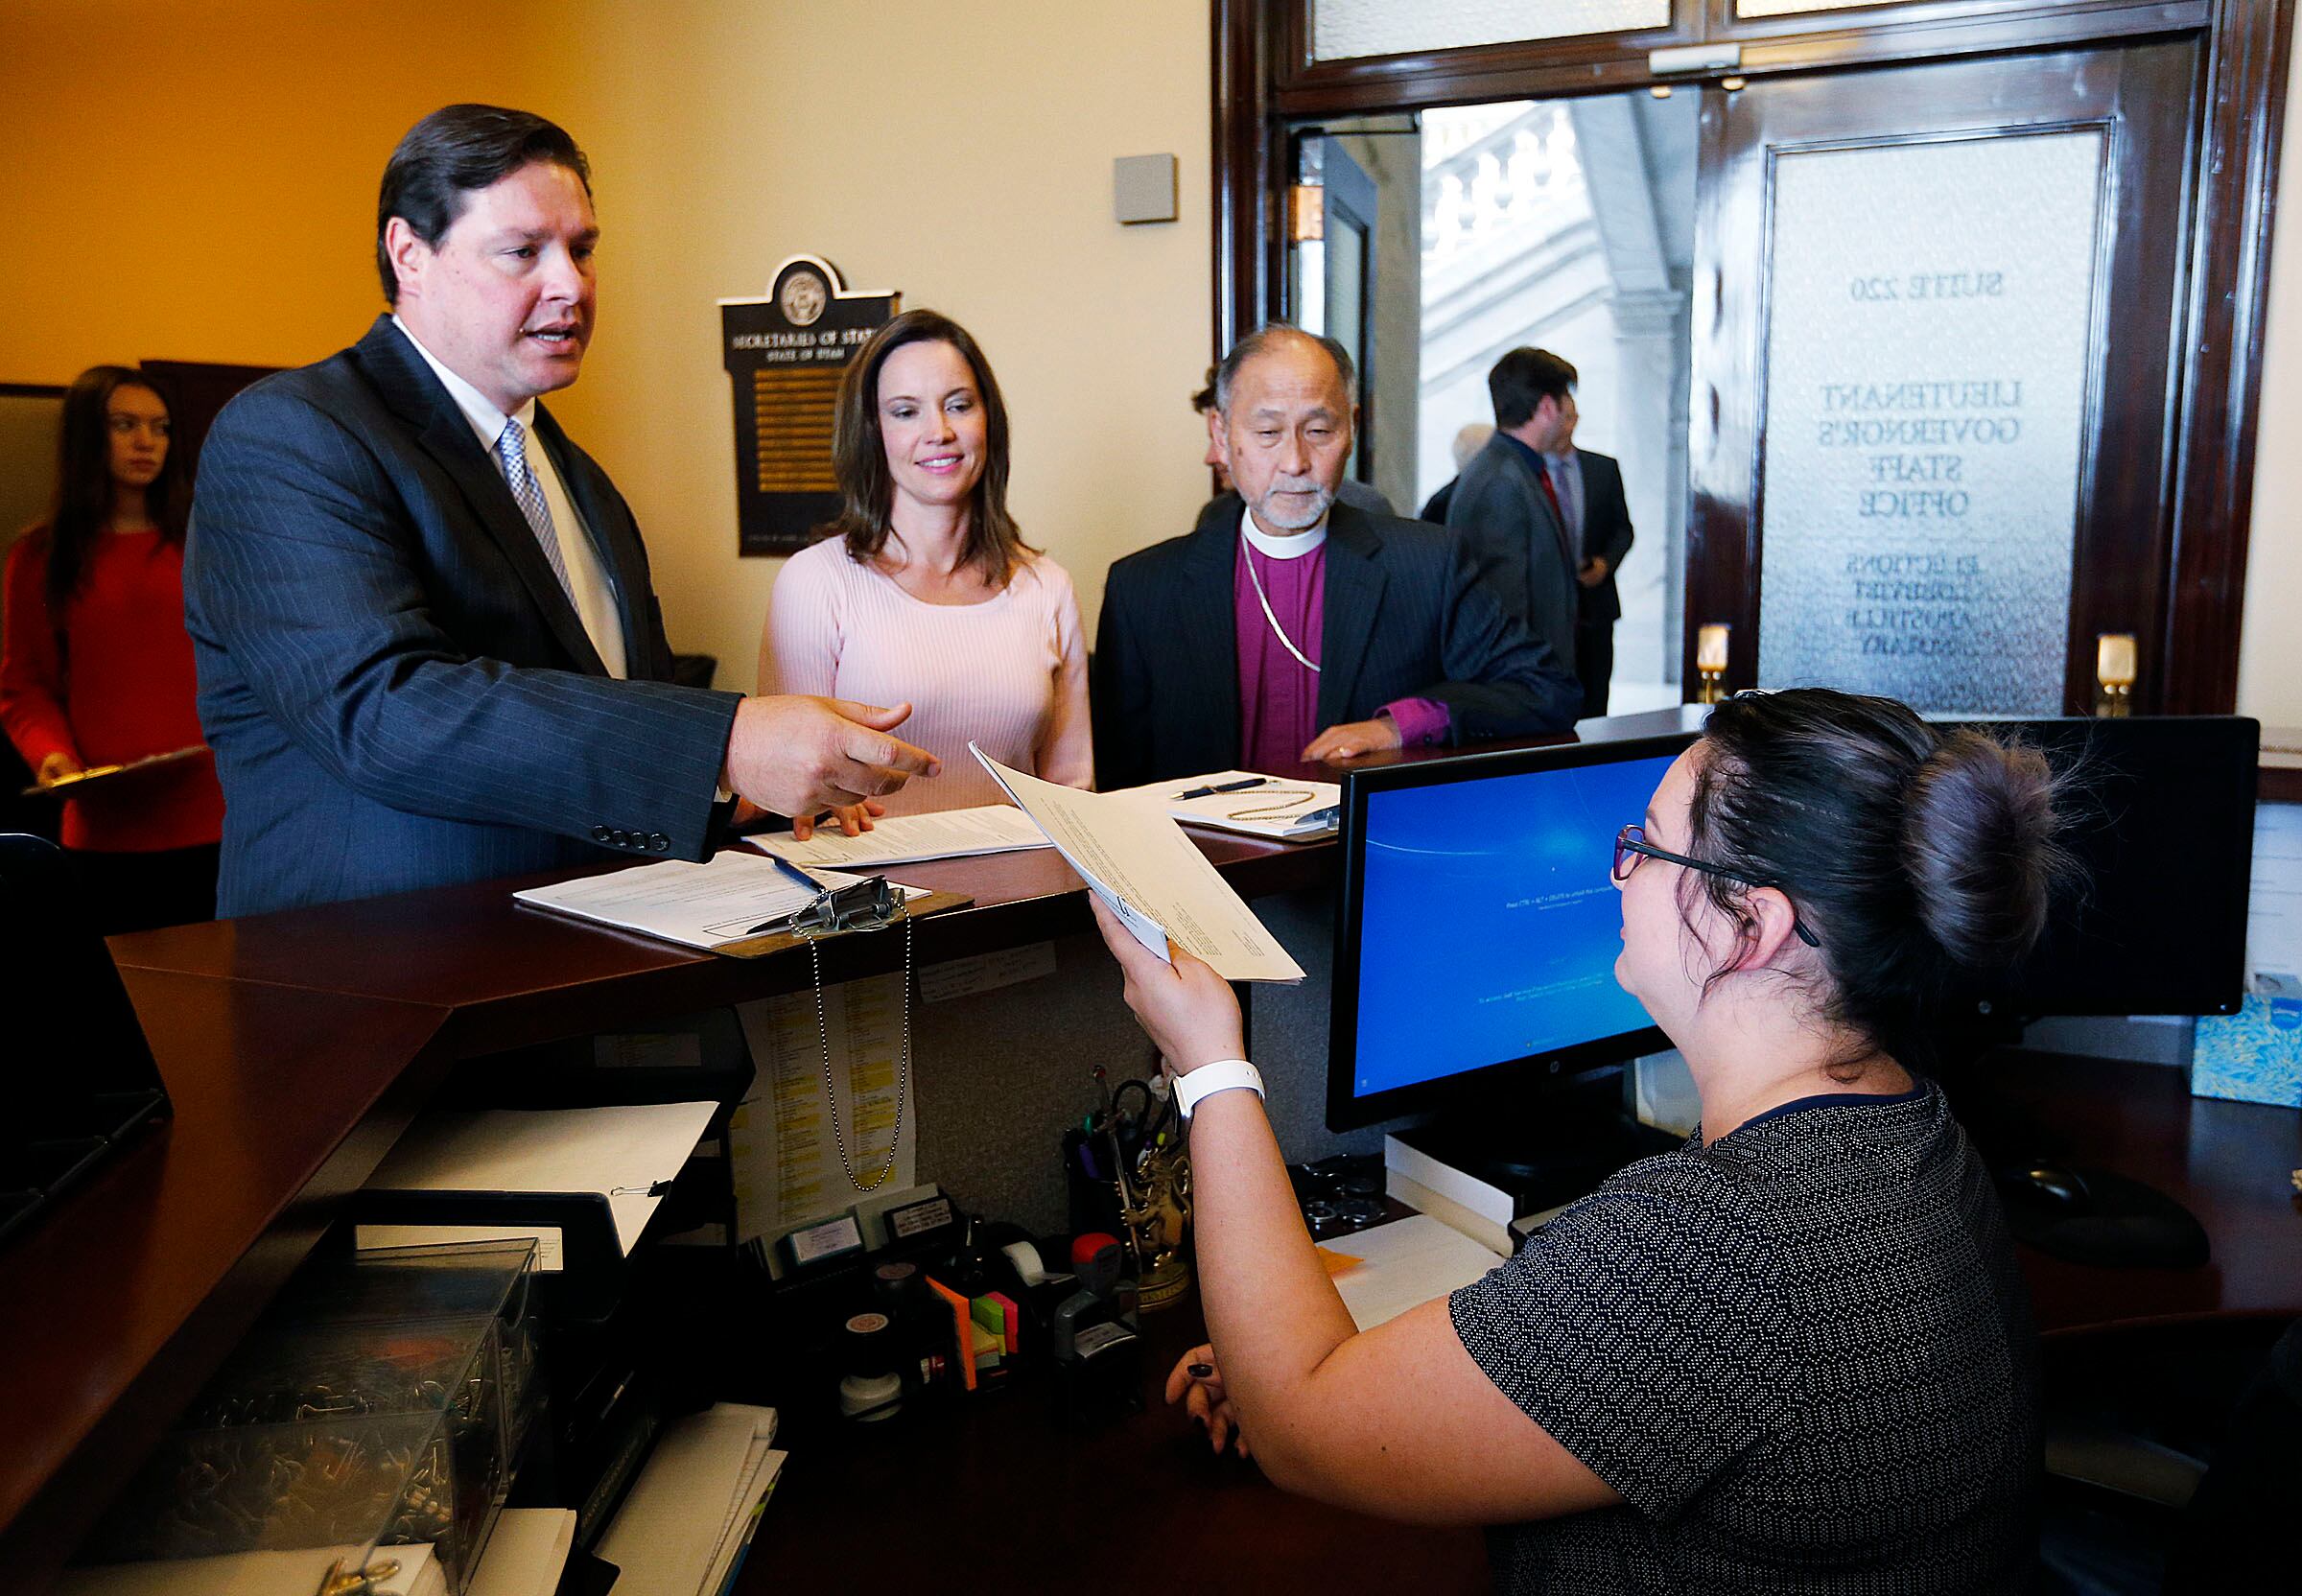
(297,1046)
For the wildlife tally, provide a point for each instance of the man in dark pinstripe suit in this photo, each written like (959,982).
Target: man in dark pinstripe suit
(428,647)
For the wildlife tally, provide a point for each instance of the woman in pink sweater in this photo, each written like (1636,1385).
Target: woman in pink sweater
(922,592)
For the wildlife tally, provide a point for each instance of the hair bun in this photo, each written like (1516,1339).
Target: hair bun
(1977,840)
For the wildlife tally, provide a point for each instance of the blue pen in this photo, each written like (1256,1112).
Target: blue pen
(795,872)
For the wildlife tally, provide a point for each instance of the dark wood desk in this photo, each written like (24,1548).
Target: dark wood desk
(2230,1163)
(956,1496)
(993,1492)
(299,1046)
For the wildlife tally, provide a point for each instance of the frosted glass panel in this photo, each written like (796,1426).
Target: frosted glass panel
(1341,30)
(1927,359)
(1793,8)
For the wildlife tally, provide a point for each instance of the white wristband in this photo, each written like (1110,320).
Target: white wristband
(1223,1075)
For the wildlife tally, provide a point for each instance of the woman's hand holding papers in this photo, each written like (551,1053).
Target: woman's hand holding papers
(1188,1010)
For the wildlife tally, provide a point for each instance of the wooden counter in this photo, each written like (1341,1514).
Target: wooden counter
(297,1047)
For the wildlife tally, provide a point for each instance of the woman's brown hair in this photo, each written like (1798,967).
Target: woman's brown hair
(995,545)
(1922,855)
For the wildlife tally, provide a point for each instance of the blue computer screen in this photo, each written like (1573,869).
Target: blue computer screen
(1488,925)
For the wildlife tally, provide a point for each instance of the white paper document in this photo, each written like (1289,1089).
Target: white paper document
(621,1153)
(909,839)
(526,1553)
(1150,875)
(786,1169)
(705,906)
(694,1506)
(1405,1264)
(1251,804)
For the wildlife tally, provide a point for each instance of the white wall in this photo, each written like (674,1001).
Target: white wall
(2270,656)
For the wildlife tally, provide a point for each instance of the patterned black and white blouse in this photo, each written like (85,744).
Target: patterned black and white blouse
(1803,1356)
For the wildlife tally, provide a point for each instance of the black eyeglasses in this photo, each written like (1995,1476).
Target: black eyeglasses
(1631,845)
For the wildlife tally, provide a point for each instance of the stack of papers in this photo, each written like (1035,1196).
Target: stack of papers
(909,839)
(1150,875)
(625,1154)
(1251,804)
(712,905)
(526,1553)
(695,1507)
(1405,1264)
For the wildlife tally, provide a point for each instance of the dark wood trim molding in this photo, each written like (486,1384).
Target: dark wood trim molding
(31,390)
(1247,247)
(2213,499)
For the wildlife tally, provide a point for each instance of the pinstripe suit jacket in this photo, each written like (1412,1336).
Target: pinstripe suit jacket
(397,689)
(1405,618)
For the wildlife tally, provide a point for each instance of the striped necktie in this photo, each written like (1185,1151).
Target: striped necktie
(1562,486)
(512,449)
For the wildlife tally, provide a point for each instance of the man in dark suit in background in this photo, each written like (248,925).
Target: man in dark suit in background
(1505,508)
(1589,488)
(1291,627)
(427,644)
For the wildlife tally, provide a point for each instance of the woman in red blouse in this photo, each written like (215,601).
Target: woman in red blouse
(95,669)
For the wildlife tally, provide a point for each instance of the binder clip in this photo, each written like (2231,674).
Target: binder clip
(869,905)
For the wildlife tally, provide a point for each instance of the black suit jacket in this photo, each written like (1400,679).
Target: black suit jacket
(1504,517)
(1405,618)
(1606,532)
(397,689)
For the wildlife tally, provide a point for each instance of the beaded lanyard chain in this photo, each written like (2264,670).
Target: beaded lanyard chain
(812,936)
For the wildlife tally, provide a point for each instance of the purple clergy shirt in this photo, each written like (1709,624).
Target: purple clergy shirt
(1278,698)
(1278,695)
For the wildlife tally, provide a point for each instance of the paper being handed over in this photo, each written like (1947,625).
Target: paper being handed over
(1150,875)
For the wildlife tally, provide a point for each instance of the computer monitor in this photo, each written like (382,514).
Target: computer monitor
(2160,817)
(1475,947)
(1478,929)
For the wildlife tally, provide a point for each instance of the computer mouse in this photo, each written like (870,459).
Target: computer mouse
(2065,1187)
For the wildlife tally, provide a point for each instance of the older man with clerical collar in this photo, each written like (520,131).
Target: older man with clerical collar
(1291,627)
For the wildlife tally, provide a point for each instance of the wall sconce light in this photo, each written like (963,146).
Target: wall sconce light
(1710,661)
(2114,675)
(1306,213)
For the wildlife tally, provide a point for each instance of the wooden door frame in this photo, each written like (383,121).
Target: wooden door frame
(1263,79)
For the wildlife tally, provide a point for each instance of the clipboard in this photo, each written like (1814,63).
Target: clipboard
(68,787)
(738,903)
(867,906)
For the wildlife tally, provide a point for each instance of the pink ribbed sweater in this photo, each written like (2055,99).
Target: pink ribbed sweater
(1009,673)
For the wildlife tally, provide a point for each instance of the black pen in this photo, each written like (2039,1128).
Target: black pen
(1224,787)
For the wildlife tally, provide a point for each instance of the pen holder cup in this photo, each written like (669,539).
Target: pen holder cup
(1090,1199)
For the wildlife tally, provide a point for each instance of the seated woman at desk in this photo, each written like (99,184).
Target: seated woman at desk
(1793,1353)
(922,592)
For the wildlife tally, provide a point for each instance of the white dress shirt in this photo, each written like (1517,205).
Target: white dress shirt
(587,578)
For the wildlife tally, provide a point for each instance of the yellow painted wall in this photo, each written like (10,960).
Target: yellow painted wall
(195,178)
(205,189)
